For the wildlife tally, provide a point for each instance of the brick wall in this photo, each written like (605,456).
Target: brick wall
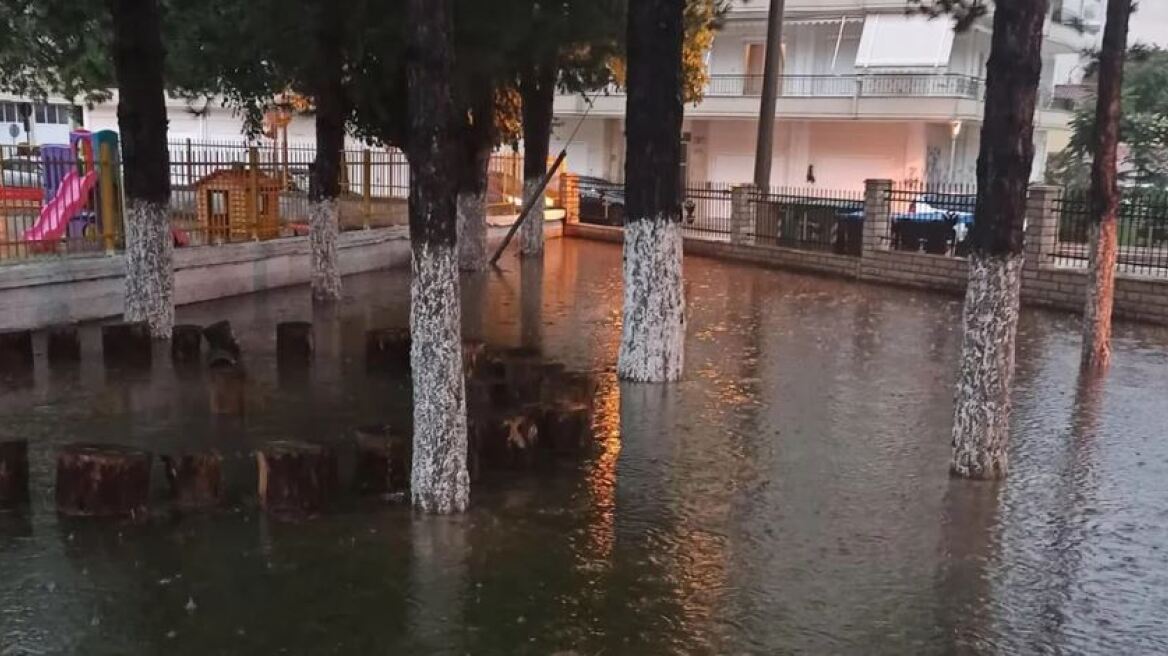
(1135,298)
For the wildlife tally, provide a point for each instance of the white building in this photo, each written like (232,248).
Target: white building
(48,122)
(866,92)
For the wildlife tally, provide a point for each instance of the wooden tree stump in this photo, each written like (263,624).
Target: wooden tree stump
(63,345)
(566,427)
(296,479)
(383,461)
(196,479)
(222,347)
(228,393)
(127,345)
(186,344)
(16,350)
(388,349)
(13,474)
(294,343)
(99,480)
(509,441)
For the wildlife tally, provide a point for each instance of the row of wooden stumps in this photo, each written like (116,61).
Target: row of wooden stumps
(128,344)
(522,411)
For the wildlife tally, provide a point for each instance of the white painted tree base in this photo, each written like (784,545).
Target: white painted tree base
(149,266)
(531,233)
(439,482)
(472,231)
(653,333)
(981,413)
(323,229)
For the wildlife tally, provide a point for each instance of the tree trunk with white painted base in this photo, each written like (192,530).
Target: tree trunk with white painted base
(138,57)
(537,86)
(981,420)
(653,333)
(149,266)
(325,187)
(981,413)
(439,481)
(1105,189)
(472,199)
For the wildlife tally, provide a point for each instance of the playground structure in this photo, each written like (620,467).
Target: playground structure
(77,204)
(236,204)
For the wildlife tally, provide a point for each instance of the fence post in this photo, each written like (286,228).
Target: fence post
(253,191)
(570,196)
(109,212)
(190,164)
(741,213)
(877,215)
(366,187)
(1041,224)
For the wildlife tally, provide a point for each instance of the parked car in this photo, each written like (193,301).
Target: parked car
(20,173)
(601,202)
(934,223)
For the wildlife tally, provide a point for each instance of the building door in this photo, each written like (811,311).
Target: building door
(755,65)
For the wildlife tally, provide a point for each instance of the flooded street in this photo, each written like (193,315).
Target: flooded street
(791,495)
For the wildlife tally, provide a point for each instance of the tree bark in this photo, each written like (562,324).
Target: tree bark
(324,187)
(537,87)
(653,333)
(981,414)
(439,479)
(138,56)
(474,155)
(1105,189)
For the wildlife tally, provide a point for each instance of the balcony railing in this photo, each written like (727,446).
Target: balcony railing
(868,85)
(850,86)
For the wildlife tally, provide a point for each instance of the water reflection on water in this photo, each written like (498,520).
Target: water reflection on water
(791,495)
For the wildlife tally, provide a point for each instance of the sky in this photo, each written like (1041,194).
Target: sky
(1150,23)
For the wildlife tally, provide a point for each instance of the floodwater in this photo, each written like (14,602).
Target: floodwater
(790,496)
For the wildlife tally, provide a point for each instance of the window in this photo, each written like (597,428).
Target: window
(8,112)
(39,113)
(217,201)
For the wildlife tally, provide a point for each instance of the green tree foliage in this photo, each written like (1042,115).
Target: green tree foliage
(1143,129)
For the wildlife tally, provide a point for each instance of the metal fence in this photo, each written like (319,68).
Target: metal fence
(803,218)
(221,192)
(931,218)
(1142,232)
(809,218)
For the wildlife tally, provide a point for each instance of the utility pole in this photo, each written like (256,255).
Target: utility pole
(770,89)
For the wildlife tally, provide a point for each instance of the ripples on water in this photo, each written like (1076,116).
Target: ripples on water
(791,495)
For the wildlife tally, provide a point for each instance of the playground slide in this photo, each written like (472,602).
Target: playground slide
(71,196)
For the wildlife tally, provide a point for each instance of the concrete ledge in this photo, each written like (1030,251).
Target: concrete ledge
(49,291)
(1136,298)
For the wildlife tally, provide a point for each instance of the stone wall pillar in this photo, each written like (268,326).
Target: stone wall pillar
(741,213)
(877,215)
(1041,224)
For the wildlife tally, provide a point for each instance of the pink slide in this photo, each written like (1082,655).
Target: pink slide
(71,196)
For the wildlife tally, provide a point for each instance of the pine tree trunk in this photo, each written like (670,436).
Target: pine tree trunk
(439,481)
(537,86)
(1105,189)
(138,56)
(323,218)
(653,333)
(981,414)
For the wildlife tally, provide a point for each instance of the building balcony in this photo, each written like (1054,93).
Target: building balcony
(875,96)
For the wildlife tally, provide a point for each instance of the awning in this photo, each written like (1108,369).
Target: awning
(897,40)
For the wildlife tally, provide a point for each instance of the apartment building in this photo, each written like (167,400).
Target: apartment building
(866,91)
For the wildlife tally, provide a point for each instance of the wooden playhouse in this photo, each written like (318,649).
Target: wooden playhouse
(228,210)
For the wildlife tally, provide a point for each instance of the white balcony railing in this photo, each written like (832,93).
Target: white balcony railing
(866,85)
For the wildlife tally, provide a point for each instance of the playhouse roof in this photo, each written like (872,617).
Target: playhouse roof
(235,174)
